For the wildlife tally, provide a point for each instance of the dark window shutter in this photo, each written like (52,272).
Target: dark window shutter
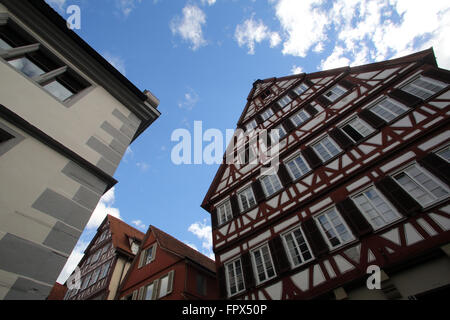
(308,82)
(372,119)
(259,119)
(312,158)
(441,75)
(354,218)
(341,138)
(288,125)
(314,237)
(292,95)
(5,136)
(247,269)
(284,176)
(279,257)
(258,191)
(347,84)
(235,206)
(323,101)
(398,197)
(437,166)
(311,110)
(275,107)
(405,98)
(214,219)
(222,282)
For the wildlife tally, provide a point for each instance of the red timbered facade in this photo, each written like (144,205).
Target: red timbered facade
(362,179)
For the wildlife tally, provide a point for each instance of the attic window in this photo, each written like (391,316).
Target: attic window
(265,94)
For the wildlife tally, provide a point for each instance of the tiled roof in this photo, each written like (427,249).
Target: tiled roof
(169,243)
(58,292)
(121,232)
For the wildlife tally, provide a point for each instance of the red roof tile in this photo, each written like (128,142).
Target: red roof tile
(121,232)
(58,292)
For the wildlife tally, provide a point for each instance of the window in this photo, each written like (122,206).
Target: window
(267,114)
(251,125)
(201,285)
(95,256)
(298,248)
(334,93)
(94,277)
(26,66)
(444,153)
(246,199)
(284,101)
(271,184)
(86,282)
(263,264)
(326,149)
(246,152)
(424,188)
(300,89)
(424,87)
(277,133)
(165,284)
(105,270)
(375,208)
(356,130)
(265,94)
(224,212)
(149,291)
(297,167)
(235,278)
(149,255)
(300,117)
(388,109)
(334,228)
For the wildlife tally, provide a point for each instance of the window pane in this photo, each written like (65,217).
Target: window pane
(267,114)
(149,292)
(163,287)
(300,118)
(298,167)
(300,89)
(326,149)
(388,110)
(27,67)
(334,93)
(334,228)
(284,101)
(58,90)
(424,87)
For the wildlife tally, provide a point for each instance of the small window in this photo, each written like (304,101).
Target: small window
(27,67)
(58,90)
(326,149)
(201,285)
(277,133)
(284,101)
(298,167)
(95,276)
(96,256)
(263,264)
(234,277)
(375,208)
(246,199)
(423,187)
(251,125)
(334,228)
(105,270)
(444,153)
(423,87)
(271,184)
(298,248)
(148,255)
(4,45)
(300,117)
(149,291)
(86,282)
(164,285)
(357,130)
(224,212)
(299,90)
(265,94)
(334,93)
(388,109)
(267,114)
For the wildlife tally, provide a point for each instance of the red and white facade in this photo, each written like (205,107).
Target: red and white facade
(363,180)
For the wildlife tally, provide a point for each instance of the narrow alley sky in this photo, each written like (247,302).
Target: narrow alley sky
(201,57)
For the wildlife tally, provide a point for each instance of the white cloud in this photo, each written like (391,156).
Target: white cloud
(189,27)
(209,2)
(72,262)
(335,60)
(139,224)
(204,233)
(251,32)
(116,61)
(127,6)
(104,207)
(190,100)
(296,70)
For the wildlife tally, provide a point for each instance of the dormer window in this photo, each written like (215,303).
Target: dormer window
(265,94)
(334,93)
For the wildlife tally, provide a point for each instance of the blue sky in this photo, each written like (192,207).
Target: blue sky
(200,58)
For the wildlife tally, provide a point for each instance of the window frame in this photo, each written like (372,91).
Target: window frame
(219,218)
(276,129)
(254,266)
(296,114)
(324,235)
(393,101)
(365,124)
(238,193)
(337,86)
(319,141)
(264,187)
(288,252)
(228,280)
(253,121)
(302,92)
(282,99)
(442,150)
(291,159)
(265,114)
(429,80)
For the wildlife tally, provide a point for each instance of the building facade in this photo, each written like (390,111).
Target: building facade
(105,262)
(66,119)
(167,269)
(356,205)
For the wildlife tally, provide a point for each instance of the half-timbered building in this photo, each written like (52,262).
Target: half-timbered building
(105,262)
(167,269)
(358,194)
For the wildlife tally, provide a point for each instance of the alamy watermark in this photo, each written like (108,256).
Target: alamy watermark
(74,19)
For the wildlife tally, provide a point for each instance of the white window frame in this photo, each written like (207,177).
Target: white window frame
(228,216)
(429,93)
(252,125)
(338,93)
(322,231)
(284,101)
(274,133)
(363,123)
(296,115)
(393,101)
(241,206)
(267,114)
(272,184)
(297,247)
(265,267)
(303,87)
(228,280)
(366,216)
(291,159)
(429,175)
(320,141)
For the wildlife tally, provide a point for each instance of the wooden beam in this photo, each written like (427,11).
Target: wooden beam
(15,52)
(50,75)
